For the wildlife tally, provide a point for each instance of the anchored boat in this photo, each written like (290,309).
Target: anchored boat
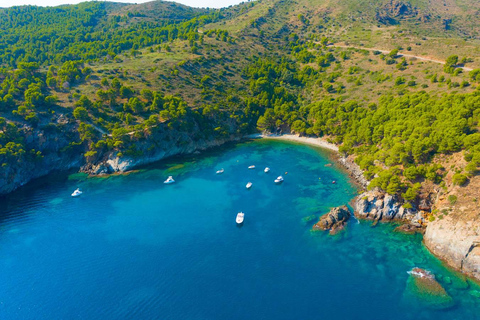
(279,179)
(240,217)
(77,193)
(169,180)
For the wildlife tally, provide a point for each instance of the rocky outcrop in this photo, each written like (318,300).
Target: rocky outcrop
(334,220)
(395,10)
(378,205)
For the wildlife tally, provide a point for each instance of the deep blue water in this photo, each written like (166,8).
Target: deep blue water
(134,248)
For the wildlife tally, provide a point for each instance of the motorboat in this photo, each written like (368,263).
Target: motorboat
(169,180)
(249,185)
(240,217)
(77,193)
(220,171)
(279,179)
(267,169)
(251,167)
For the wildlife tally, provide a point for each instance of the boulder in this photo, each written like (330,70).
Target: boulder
(333,220)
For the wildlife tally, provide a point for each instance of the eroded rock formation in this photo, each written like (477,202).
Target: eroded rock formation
(334,220)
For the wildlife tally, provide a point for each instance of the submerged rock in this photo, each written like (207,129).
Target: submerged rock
(409,229)
(308,219)
(475,293)
(422,286)
(334,220)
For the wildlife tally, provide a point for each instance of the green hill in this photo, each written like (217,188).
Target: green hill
(85,84)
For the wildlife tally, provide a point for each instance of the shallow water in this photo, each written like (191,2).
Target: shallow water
(132,247)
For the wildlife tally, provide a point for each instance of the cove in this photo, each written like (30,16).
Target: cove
(132,247)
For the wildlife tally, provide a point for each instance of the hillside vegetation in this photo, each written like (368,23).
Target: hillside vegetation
(103,80)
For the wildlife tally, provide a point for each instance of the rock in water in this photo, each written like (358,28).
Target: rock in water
(422,286)
(334,220)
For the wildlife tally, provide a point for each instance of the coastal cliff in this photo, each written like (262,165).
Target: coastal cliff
(454,232)
(57,152)
(160,144)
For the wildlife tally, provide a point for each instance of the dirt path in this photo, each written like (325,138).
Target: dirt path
(400,54)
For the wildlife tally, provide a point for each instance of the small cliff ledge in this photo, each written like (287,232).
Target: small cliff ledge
(334,220)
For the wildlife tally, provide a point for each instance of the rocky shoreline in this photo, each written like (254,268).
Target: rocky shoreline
(455,239)
(58,154)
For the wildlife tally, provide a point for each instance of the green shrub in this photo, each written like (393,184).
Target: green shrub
(459,179)
(452,199)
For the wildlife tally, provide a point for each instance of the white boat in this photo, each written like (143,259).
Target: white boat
(220,171)
(240,217)
(77,193)
(251,167)
(169,180)
(279,179)
(267,169)
(249,185)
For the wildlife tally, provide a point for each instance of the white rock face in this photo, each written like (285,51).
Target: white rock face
(456,241)
(378,205)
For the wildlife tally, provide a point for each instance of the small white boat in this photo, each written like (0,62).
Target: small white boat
(279,179)
(267,169)
(240,217)
(169,180)
(251,167)
(77,193)
(220,171)
(249,185)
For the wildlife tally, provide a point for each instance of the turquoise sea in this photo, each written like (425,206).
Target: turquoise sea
(132,247)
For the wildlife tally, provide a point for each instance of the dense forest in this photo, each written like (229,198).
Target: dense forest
(84,72)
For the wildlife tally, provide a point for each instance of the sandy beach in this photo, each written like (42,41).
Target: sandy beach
(352,168)
(319,142)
